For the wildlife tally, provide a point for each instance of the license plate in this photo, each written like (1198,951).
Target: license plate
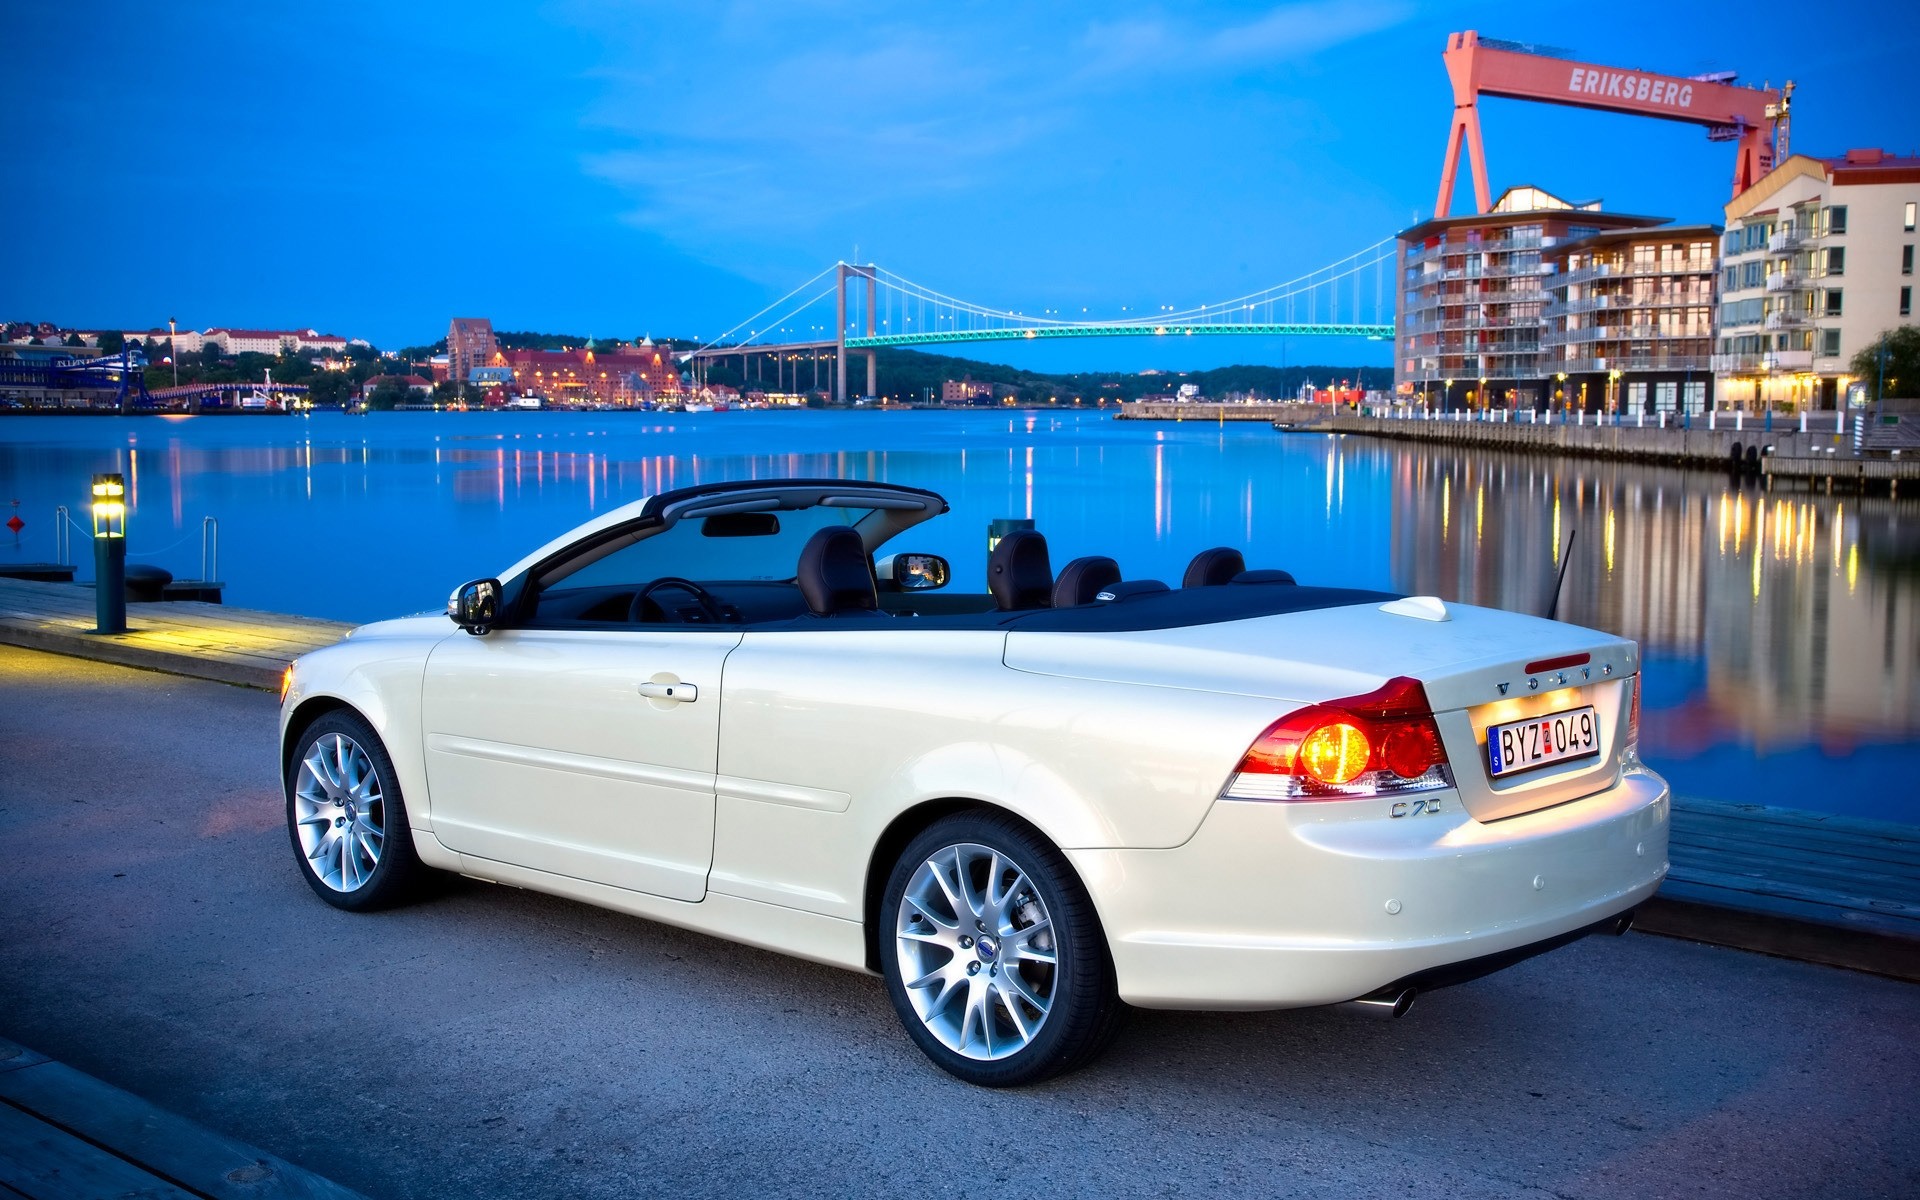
(1555,737)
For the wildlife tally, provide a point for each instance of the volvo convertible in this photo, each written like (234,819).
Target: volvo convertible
(744,709)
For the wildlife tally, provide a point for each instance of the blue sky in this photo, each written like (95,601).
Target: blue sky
(618,168)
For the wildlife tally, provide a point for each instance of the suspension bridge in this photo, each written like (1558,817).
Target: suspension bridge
(850,308)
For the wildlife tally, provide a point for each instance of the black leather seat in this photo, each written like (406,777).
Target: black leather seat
(1019,574)
(1211,568)
(835,574)
(1081,580)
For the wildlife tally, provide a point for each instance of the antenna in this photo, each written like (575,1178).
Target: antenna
(1566,556)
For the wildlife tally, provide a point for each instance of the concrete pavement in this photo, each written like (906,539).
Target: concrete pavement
(493,1042)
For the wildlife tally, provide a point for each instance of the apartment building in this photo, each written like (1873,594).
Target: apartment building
(470,345)
(1489,316)
(1816,264)
(1629,320)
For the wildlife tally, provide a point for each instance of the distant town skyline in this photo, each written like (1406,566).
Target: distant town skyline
(618,169)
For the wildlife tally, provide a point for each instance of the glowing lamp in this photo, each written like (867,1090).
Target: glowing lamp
(1335,752)
(109,506)
(110,553)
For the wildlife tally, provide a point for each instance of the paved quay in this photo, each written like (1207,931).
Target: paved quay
(209,641)
(493,1042)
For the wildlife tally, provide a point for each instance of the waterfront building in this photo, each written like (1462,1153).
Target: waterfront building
(1473,323)
(622,378)
(1817,263)
(418,387)
(1629,320)
(470,345)
(965,391)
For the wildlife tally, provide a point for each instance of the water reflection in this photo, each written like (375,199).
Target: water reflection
(1780,630)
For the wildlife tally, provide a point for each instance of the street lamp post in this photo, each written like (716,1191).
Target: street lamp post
(173,350)
(109,554)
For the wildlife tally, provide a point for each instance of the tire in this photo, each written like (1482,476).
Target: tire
(346,818)
(992,953)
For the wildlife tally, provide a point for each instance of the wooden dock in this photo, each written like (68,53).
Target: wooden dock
(68,1135)
(1856,474)
(1813,886)
(208,641)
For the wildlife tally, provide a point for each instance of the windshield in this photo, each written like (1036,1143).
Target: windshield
(734,546)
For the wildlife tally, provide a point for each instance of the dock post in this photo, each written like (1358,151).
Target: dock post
(109,554)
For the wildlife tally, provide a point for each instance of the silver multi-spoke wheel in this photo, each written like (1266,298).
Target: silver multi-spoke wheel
(976,950)
(339,811)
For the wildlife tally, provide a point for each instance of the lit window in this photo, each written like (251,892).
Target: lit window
(1910,208)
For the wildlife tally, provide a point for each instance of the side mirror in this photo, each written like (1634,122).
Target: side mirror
(475,606)
(912,572)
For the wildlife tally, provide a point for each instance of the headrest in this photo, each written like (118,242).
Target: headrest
(1264,576)
(1018,572)
(1082,579)
(1211,568)
(834,574)
(1127,590)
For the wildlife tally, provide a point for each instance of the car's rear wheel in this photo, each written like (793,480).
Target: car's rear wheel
(992,954)
(346,816)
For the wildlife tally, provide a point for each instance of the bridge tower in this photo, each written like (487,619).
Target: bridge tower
(849,271)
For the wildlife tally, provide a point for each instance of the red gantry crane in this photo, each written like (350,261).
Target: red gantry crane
(1754,117)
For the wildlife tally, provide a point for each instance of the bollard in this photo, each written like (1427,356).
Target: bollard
(1713,419)
(109,554)
(1739,420)
(1803,420)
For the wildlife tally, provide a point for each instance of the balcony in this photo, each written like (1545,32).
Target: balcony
(1789,360)
(1785,238)
(1785,320)
(1786,281)
(1628,270)
(1738,364)
(1638,362)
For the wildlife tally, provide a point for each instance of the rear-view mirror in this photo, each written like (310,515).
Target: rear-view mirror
(912,572)
(740,524)
(475,606)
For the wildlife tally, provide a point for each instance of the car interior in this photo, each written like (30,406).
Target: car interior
(704,562)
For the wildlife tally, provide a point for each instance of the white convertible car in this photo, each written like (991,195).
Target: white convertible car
(725,708)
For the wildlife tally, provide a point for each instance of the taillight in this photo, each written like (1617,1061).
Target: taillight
(1383,743)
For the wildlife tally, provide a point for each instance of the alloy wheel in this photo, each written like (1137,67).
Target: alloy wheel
(977,951)
(339,812)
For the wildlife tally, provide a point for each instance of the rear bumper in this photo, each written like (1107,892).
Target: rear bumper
(1284,905)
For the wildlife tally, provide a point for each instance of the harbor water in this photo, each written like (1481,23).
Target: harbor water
(1781,631)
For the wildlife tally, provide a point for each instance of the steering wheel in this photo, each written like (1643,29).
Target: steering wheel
(643,601)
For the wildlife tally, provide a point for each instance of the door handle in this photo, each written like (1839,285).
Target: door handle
(679,693)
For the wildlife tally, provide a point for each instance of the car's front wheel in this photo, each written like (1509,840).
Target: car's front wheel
(992,954)
(346,816)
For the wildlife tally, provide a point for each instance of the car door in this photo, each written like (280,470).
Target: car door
(588,753)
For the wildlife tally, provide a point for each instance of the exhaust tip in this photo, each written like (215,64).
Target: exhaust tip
(1386,1005)
(1623,922)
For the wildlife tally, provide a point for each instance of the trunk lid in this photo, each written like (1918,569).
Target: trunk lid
(1317,655)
